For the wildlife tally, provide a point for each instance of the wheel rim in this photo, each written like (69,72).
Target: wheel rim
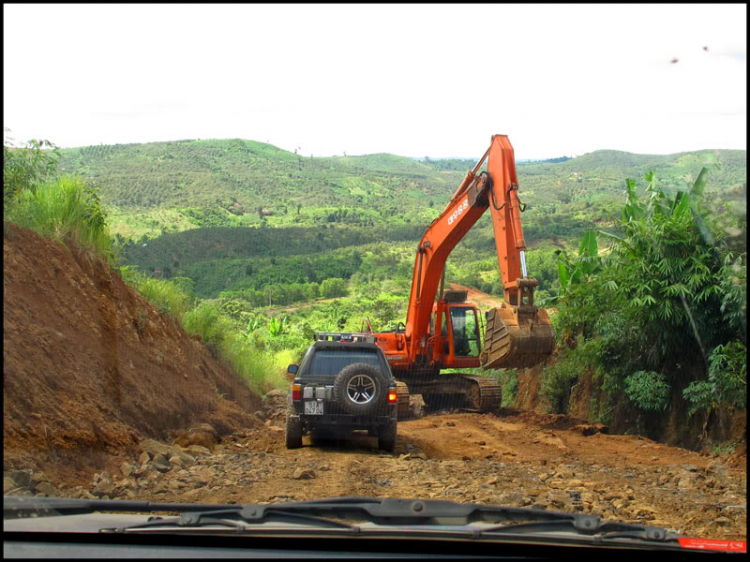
(361,389)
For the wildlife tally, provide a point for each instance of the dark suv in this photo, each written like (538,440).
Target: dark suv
(344,383)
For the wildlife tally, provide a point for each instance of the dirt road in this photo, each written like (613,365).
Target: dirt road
(481,300)
(515,457)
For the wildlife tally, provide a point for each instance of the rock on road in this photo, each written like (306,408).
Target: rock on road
(516,458)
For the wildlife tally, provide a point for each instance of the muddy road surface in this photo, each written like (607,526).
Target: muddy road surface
(516,458)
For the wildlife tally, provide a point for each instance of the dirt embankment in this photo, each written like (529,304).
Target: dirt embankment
(91,368)
(671,427)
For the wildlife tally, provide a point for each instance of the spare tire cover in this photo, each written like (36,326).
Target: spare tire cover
(360,388)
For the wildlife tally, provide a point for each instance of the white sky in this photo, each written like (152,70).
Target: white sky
(414,80)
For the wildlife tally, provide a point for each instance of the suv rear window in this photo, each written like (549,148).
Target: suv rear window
(330,361)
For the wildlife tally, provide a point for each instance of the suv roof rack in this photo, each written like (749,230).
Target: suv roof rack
(346,337)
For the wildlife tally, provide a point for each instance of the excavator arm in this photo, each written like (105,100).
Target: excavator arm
(518,334)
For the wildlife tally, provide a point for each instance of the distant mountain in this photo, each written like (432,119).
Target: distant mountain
(194,183)
(251,174)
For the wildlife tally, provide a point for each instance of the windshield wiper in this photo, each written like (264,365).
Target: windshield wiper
(394,515)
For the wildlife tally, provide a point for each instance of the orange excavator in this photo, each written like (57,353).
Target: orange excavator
(445,333)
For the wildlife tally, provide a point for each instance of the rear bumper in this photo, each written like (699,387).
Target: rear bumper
(347,421)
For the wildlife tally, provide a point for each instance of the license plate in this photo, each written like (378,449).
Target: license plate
(314,408)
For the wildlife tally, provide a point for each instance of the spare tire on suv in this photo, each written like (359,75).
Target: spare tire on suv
(360,389)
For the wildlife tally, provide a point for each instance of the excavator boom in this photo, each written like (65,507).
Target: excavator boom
(518,335)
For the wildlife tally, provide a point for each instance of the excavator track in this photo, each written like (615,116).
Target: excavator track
(484,395)
(403,409)
(462,391)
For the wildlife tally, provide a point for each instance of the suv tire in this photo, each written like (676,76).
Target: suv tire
(363,395)
(387,437)
(293,431)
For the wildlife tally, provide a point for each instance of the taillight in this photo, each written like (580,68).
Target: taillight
(296,392)
(392,397)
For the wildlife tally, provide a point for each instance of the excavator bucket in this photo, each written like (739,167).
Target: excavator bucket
(517,338)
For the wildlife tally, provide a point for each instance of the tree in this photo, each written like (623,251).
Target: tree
(332,287)
(662,299)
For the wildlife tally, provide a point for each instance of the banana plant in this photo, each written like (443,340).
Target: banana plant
(277,328)
(252,325)
(573,271)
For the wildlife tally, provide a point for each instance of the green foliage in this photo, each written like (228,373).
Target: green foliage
(27,166)
(332,287)
(209,217)
(276,327)
(578,270)
(252,325)
(508,379)
(168,296)
(186,286)
(557,381)
(648,390)
(206,321)
(726,385)
(385,310)
(66,210)
(232,176)
(662,296)
(252,364)
(734,290)
(669,272)
(218,259)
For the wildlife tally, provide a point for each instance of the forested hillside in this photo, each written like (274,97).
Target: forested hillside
(174,186)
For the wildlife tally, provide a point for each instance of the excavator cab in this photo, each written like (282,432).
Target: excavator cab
(465,331)
(459,330)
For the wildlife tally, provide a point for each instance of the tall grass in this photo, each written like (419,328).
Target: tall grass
(212,326)
(65,209)
(257,368)
(163,294)
(218,332)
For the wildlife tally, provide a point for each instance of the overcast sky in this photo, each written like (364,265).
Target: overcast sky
(414,80)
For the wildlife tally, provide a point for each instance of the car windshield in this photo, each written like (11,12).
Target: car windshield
(487,254)
(331,362)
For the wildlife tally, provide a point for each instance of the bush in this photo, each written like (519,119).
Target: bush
(210,324)
(332,287)
(65,210)
(647,390)
(25,167)
(558,380)
(508,379)
(256,367)
(217,330)
(727,380)
(167,296)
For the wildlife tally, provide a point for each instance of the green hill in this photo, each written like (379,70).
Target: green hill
(173,186)
(246,180)
(183,208)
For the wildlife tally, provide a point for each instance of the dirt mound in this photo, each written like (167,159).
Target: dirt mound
(91,368)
